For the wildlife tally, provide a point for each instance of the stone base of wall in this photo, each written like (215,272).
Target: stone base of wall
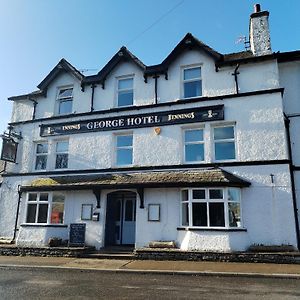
(176,254)
(11,250)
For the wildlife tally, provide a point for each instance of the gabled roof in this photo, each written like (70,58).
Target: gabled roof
(188,42)
(62,66)
(196,178)
(122,55)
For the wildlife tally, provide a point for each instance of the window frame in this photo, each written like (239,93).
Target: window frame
(49,202)
(118,79)
(183,81)
(123,147)
(63,152)
(36,143)
(59,99)
(214,142)
(207,200)
(184,130)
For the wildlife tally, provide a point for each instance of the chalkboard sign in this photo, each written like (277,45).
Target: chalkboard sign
(77,234)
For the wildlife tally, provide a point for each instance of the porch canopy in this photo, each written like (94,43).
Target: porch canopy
(209,177)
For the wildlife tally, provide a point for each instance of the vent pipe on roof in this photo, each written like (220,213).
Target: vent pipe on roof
(259,33)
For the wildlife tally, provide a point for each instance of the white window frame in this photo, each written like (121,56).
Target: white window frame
(122,147)
(38,202)
(63,152)
(192,143)
(224,200)
(183,81)
(124,90)
(234,139)
(41,154)
(62,99)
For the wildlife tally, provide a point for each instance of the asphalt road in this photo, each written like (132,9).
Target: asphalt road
(36,283)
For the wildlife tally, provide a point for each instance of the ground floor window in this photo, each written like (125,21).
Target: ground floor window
(211,207)
(45,208)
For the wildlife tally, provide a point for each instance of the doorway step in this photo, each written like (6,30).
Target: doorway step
(112,252)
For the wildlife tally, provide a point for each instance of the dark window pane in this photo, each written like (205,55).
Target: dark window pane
(124,141)
(61,161)
(125,98)
(129,210)
(199,214)
(192,73)
(43,212)
(185,214)
(124,157)
(216,214)
(118,210)
(223,133)
(194,152)
(234,214)
(65,106)
(198,194)
(216,194)
(192,89)
(41,162)
(225,150)
(43,197)
(194,135)
(31,211)
(32,197)
(185,195)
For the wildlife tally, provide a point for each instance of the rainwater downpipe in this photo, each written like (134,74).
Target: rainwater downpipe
(155,88)
(235,74)
(17,213)
(34,108)
(92,99)
(291,167)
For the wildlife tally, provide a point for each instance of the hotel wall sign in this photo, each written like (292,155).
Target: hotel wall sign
(162,118)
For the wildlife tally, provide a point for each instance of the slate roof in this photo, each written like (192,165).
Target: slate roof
(199,178)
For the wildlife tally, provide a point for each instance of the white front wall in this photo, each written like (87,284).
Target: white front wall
(267,209)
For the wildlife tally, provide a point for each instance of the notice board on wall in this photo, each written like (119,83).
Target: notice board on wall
(77,234)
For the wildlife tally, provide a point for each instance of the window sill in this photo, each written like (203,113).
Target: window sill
(210,229)
(43,225)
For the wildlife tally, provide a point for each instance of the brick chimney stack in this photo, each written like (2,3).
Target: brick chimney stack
(259,33)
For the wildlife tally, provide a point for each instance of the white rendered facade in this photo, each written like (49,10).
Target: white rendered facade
(254,111)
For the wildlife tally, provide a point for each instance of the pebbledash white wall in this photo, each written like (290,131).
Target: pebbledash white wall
(267,215)
(267,210)
(289,74)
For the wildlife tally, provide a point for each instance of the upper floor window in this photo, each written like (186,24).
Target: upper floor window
(125,92)
(211,207)
(124,149)
(41,156)
(61,155)
(193,145)
(45,208)
(192,82)
(65,100)
(224,143)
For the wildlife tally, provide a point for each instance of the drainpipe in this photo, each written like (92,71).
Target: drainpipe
(92,99)
(155,87)
(17,213)
(291,167)
(34,108)
(235,74)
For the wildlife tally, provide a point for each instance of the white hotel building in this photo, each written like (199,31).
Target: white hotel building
(200,149)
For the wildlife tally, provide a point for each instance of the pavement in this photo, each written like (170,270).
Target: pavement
(151,266)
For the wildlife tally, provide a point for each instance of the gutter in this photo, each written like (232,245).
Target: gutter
(291,167)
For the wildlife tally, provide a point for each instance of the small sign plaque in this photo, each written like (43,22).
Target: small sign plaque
(77,234)
(9,149)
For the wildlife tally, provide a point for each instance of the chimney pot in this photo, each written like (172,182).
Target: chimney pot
(256,8)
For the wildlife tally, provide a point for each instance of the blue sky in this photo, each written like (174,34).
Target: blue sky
(36,34)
